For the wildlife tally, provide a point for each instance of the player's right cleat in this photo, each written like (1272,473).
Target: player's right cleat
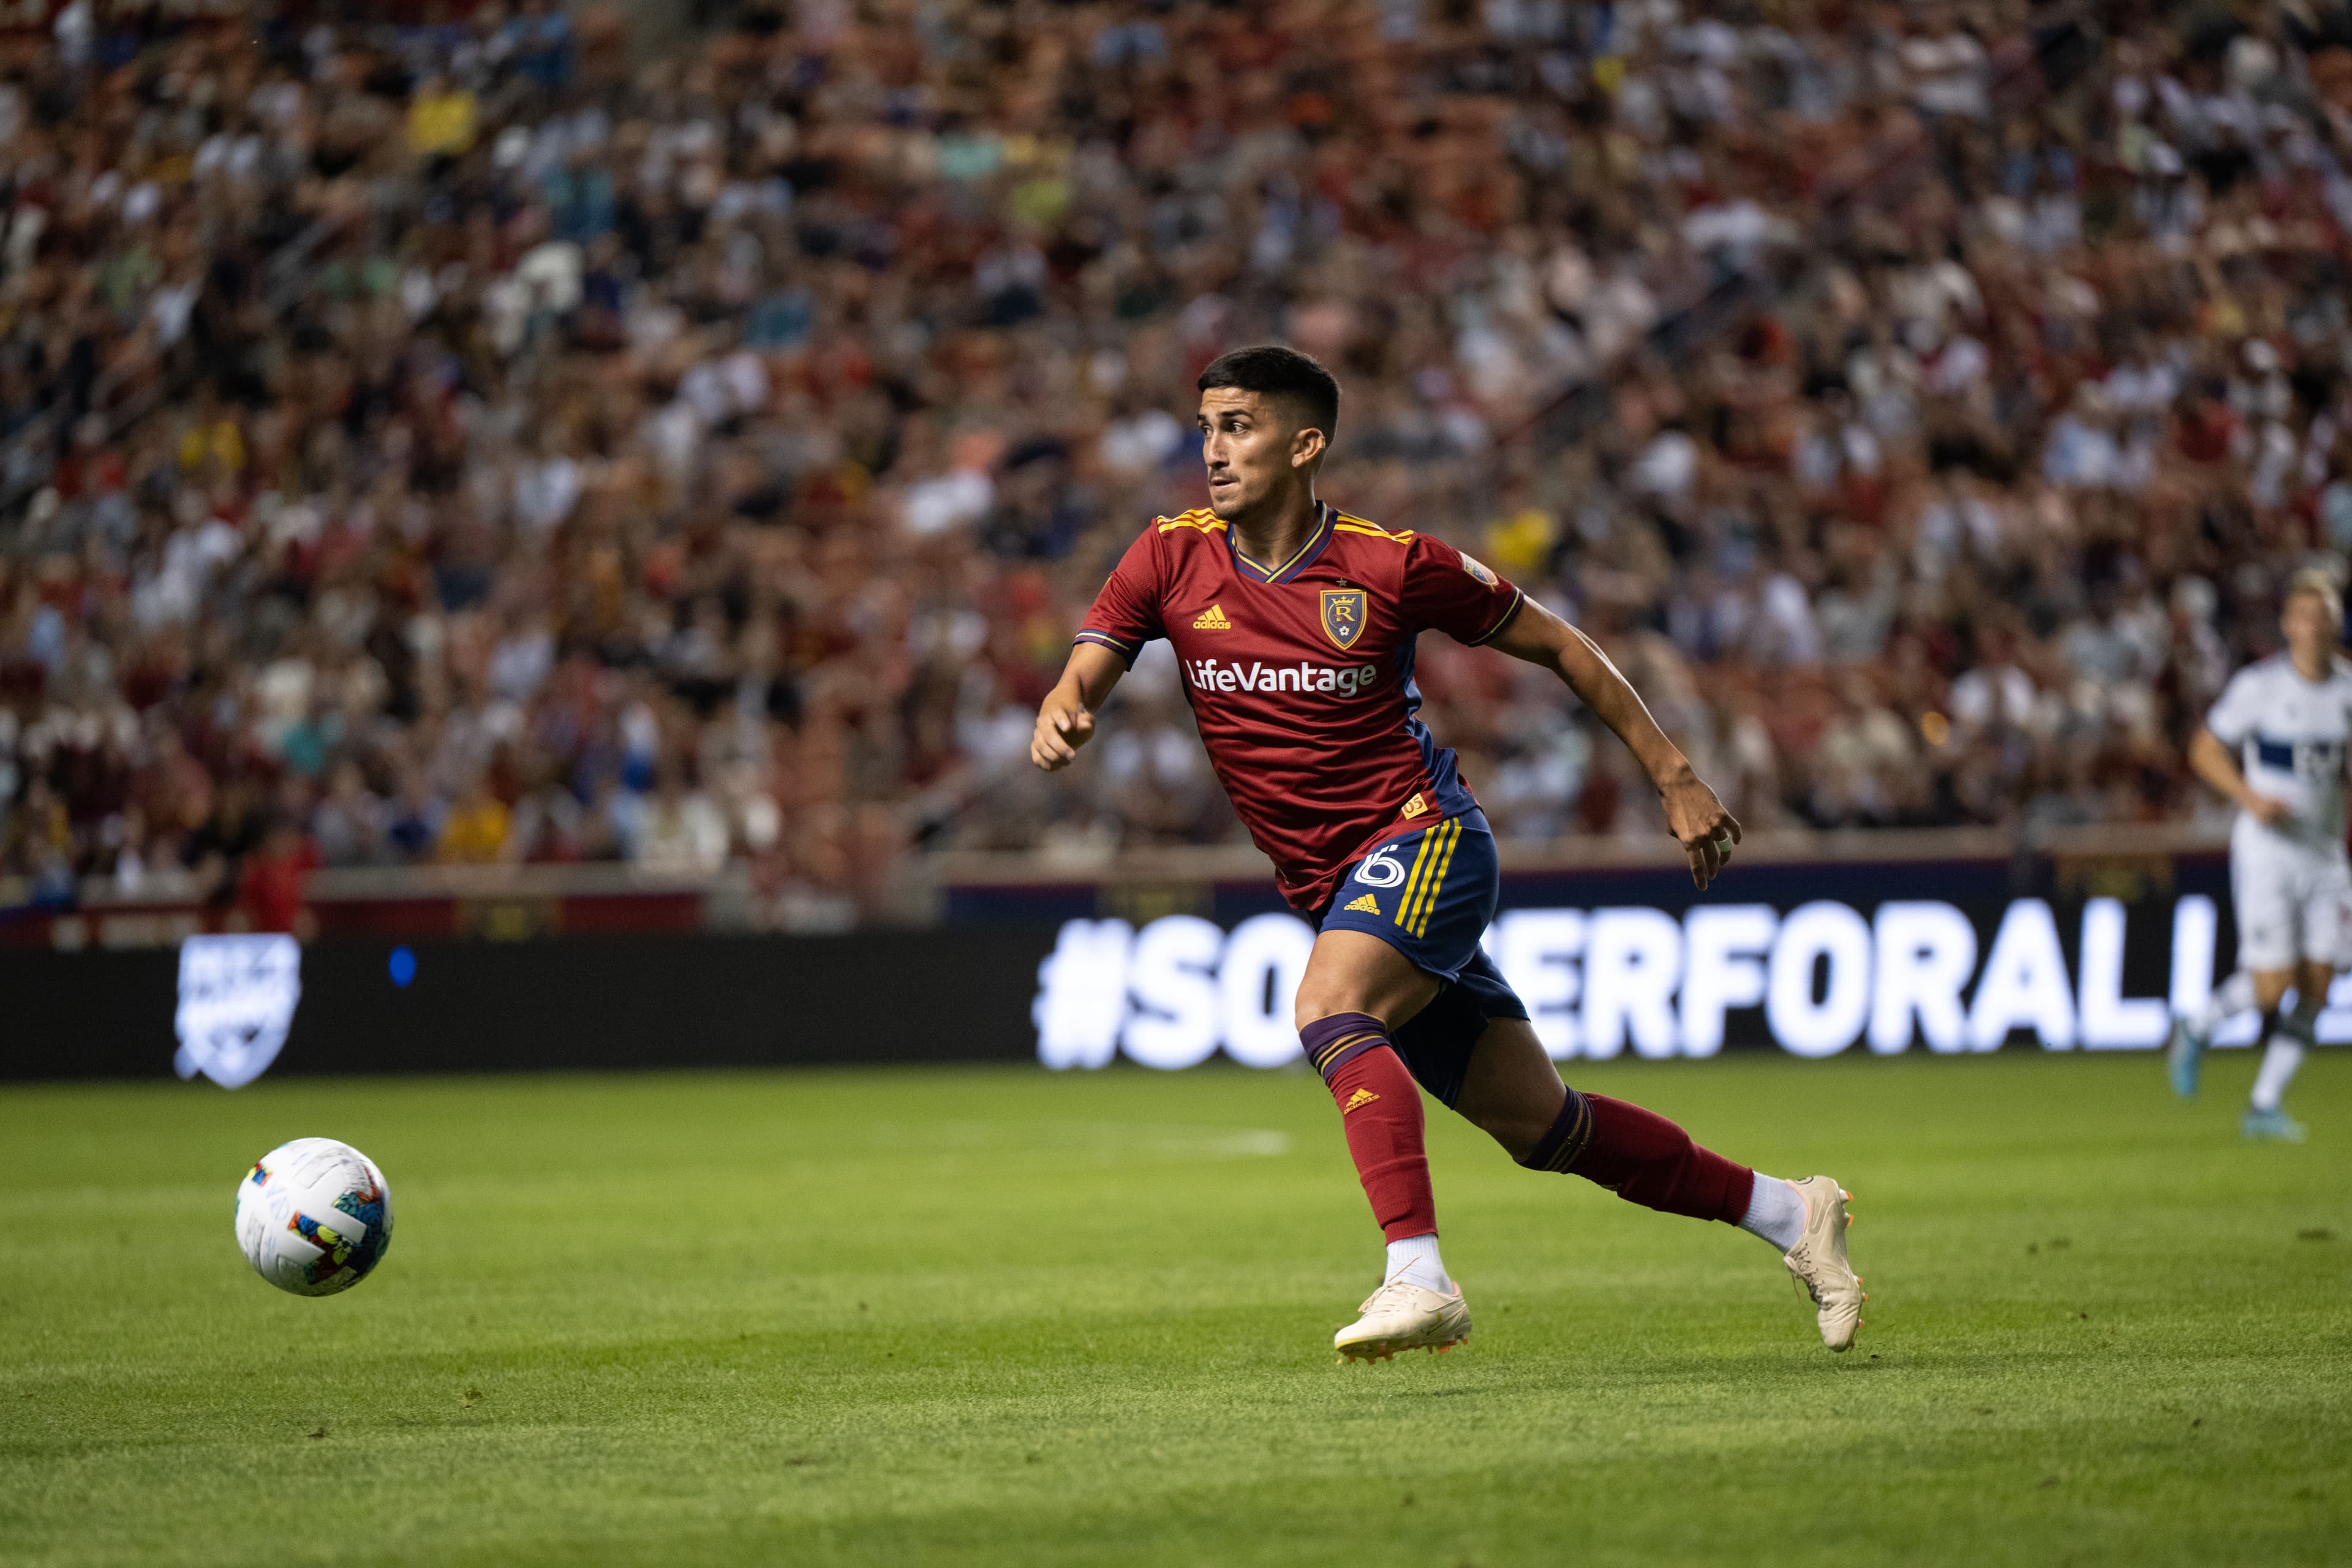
(2270,1127)
(1819,1260)
(2184,1058)
(1402,1316)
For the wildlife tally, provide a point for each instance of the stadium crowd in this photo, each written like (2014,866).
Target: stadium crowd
(475,442)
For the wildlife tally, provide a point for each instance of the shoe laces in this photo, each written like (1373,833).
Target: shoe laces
(1805,1287)
(1391,1293)
(1804,1270)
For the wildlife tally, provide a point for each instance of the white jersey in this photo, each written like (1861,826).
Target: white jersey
(2291,736)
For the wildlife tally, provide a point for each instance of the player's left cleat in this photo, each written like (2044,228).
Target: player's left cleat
(1819,1260)
(1402,1316)
(2270,1127)
(2184,1058)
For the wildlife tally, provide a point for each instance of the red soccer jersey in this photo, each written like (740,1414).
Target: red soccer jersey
(1301,676)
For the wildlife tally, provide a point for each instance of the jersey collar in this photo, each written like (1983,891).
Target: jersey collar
(1325,512)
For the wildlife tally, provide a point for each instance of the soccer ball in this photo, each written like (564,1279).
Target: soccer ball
(313,1217)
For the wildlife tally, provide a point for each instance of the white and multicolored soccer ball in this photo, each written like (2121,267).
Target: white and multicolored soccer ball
(313,1217)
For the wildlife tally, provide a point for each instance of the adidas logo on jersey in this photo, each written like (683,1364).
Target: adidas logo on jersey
(1364,906)
(1361,1097)
(1212,619)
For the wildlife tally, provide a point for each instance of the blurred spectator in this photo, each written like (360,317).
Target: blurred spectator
(475,831)
(681,830)
(489,446)
(348,824)
(270,887)
(413,832)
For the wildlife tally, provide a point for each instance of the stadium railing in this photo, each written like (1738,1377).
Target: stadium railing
(520,902)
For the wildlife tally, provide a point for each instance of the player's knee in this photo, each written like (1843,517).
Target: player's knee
(1555,1142)
(1336,1039)
(1507,1087)
(1323,999)
(2301,1022)
(2271,986)
(1519,1134)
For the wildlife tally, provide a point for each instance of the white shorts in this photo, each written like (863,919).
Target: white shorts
(2293,902)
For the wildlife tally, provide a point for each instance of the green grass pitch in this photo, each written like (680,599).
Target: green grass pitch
(999,1316)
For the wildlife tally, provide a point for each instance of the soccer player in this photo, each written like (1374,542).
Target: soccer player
(2288,719)
(1293,626)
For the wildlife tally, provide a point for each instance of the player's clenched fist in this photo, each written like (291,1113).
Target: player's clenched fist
(1062,728)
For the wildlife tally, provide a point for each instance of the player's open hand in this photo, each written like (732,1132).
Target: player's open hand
(1062,728)
(1698,819)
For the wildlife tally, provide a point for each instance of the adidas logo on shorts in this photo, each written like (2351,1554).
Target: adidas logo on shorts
(1364,906)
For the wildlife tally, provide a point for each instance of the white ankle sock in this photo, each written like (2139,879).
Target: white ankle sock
(1776,1210)
(1415,1259)
(2231,997)
(2280,1059)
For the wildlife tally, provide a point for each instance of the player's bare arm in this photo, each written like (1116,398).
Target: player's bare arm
(1694,815)
(1066,720)
(2212,762)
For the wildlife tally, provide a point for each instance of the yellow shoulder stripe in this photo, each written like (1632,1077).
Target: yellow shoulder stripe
(1199,517)
(1348,524)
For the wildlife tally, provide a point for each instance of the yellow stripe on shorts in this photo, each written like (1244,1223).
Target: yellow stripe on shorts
(1413,882)
(1424,884)
(1429,894)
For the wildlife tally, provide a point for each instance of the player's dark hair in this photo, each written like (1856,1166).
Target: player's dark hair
(1272,371)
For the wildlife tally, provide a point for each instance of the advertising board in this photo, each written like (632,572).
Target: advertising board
(1811,958)
(226,1009)
(1831,960)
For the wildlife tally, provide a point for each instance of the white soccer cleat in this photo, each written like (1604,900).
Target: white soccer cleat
(1819,1260)
(1402,1316)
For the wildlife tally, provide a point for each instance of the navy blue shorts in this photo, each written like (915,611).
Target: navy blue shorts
(1431,894)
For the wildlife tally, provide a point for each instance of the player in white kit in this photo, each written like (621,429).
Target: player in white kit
(2275,743)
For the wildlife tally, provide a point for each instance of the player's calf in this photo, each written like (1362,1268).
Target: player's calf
(1379,1110)
(1643,1158)
(1416,1307)
(2292,1033)
(2192,1031)
(1648,1160)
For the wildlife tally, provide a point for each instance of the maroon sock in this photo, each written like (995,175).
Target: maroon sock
(1379,1108)
(1645,1158)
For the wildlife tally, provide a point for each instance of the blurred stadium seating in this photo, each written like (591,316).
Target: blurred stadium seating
(476,441)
